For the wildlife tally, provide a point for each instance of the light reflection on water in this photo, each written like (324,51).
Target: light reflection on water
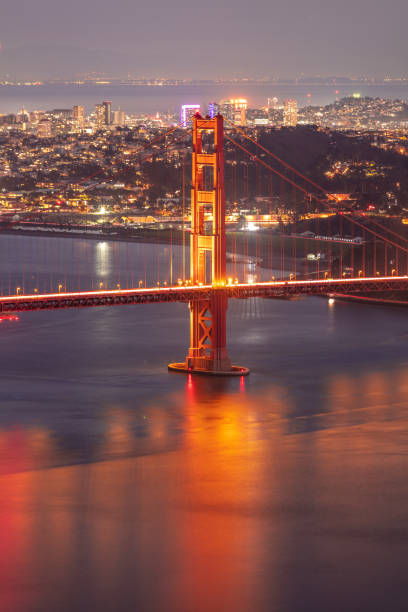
(125,487)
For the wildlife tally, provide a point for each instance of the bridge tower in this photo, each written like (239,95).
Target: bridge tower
(208,331)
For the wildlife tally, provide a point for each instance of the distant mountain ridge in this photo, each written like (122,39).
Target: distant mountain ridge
(53,62)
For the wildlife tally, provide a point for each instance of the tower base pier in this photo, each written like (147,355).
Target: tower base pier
(185,368)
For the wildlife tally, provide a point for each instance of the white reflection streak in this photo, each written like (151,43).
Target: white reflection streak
(103,259)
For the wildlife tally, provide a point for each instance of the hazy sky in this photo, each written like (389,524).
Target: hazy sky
(208,39)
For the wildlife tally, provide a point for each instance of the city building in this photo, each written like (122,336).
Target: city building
(213,109)
(78,116)
(272,103)
(290,113)
(119,117)
(44,129)
(234,110)
(99,120)
(187,113)
(107,105)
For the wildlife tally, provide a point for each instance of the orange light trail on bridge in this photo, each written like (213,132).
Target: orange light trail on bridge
(199,288)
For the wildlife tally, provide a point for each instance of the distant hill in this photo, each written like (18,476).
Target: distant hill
(51,62)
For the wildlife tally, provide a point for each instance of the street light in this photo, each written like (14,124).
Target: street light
(59,288)
(18,289)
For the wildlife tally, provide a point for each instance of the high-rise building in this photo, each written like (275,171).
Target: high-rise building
(78,115)
(187,113)
(119,117)
(273,103)
(213,109)
(99,120)
(290,113)
(44,128)
(107,105)
(234,110)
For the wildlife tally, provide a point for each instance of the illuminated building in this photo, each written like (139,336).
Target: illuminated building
(44,129)
(290,113)
(78,115)
(213,109)
(187,113)
(234,110)
(273,103)
(99,120)
(107,105)
(119,117)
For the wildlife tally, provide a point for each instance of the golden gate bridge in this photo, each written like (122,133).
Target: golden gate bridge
(209,288)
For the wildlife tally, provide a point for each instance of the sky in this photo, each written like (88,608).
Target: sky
(211,39)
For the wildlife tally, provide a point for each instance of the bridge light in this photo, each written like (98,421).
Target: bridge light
(230,281)
(360,273)
(140,283)
(36,290)
(59,288)
(100,285)
(179,282)
(118,286)
(393,272)
(18,289)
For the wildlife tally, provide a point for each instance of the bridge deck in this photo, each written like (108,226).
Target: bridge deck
(273,289)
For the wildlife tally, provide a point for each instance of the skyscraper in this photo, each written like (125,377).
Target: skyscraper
(213,109)
(119,117)
(234,110)
(187,113)
(273,103)
(108,112)
(78,115)
(290,113)
(99,120)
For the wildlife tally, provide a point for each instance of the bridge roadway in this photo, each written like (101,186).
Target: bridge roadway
(188,293)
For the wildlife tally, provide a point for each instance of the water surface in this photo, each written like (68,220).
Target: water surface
(126,487)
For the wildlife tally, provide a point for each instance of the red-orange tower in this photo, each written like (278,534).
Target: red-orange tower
(208,335)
